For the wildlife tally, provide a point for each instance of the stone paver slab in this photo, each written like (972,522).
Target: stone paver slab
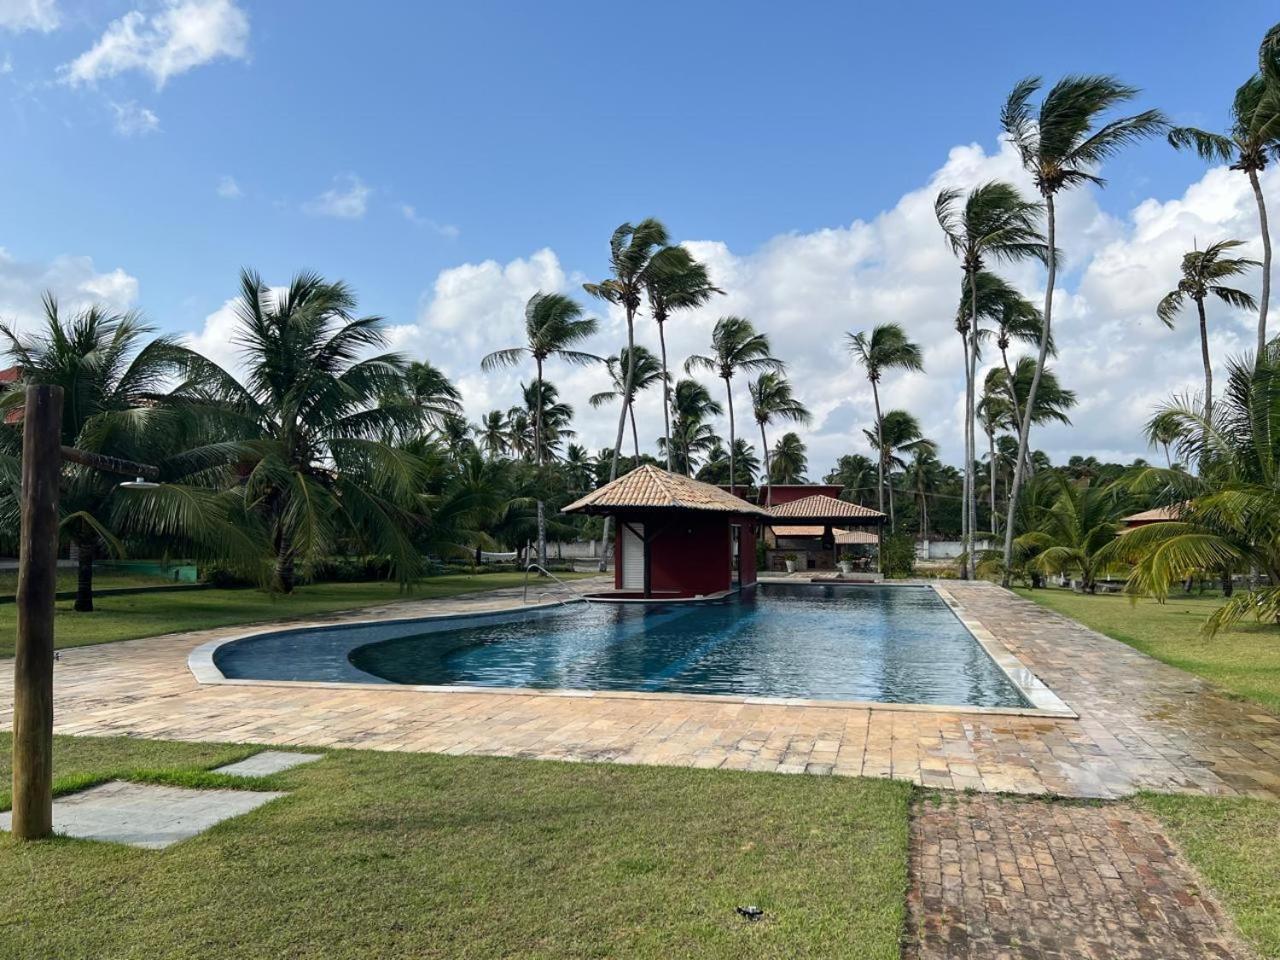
(997,877)
(147,815)
(268,762)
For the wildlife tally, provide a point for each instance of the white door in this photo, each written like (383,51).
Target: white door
(632,556)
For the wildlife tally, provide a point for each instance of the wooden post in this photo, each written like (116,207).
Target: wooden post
(33,654)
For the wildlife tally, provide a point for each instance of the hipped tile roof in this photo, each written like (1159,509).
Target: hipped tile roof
(651,488)
(821,507)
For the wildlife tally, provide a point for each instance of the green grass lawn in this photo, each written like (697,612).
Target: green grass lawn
(1235,844)
(407,855)
(146,615)
(101,581)
(1244,661)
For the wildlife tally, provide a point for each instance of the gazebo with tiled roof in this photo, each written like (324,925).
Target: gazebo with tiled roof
(819,525)
(677,538)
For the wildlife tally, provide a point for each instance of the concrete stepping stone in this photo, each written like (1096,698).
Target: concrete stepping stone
(147,815)
(268,762)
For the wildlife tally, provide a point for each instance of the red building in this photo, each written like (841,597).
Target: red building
(677,538)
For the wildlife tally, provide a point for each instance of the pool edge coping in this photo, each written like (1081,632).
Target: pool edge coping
(1044,702)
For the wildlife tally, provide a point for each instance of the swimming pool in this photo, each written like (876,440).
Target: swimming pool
(889,644)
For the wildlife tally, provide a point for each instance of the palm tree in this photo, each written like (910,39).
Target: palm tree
(114,385)
(995,411)
(633,251)
(789,460)
(771,399)
(895,434)
(553,325)
(1052,399)
(306,427)
(922,473)
(493,434)
(580,468)
(1077,532)
(678,282)
(429,388)
(1202,273)
(716,469)
(885,348)
(1253,135)
(554,415)
(995,223)
(855,474)
(735,346)
(691,406)
(1229,515)
(1059,146)
(645,372)
(1016,318)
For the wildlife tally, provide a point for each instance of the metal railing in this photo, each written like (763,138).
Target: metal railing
(574,594)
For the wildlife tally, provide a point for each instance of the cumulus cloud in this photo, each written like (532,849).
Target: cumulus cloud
(74,281)
(806,290)
(228,188)
(181,35)
(347,199)
(20,15)
(411,214)
(131,119)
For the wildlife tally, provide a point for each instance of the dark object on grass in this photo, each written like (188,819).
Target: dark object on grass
(750,913)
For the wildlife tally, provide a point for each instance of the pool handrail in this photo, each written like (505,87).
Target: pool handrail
(563,585)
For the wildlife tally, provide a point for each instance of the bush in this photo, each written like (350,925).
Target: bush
(898,556)
(222,576)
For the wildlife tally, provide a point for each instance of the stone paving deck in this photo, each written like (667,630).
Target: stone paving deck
(147,815)
(1142,725)
(995,878)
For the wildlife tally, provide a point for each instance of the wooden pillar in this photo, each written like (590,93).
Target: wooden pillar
(33,653)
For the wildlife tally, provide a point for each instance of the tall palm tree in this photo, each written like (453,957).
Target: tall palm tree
(1251,140)
(994,223)
(118,403)
(995,412)
(580,468)
(678,282)
(554,326)
(1202,274)
(1015,317)
(1060,148)
(855,474)
(645,372)
(772,399)
(306,426)
(735,346)
(895,434)
(493,434)
(633,250)
(789,460)
(740,452)
(922,473)
(691,407)
(886,347)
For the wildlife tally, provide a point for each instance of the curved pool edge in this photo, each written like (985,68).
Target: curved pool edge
(1044,703)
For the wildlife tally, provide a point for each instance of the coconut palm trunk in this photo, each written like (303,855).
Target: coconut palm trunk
(875,396)
(971,389)
(622,423)
(1024,430)
(1208,371)
(666,395)
(284,567)
(991,450)
(1265,299)
(728,389)
(537,447)
(965,478)
(84,575)
(635,436)
(768,472)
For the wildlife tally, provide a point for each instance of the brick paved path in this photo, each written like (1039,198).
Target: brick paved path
(996,878)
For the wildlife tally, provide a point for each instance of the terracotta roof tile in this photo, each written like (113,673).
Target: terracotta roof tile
(820,506)
(840,536)
(652,488)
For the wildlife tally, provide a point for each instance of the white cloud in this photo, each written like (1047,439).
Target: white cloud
(20,15)
(131,119)
(6,65)
(348,199)
(181,35)
(411,214)
(228,188)
(806,290)
(74,281)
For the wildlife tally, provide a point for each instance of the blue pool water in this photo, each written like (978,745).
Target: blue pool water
(894,644)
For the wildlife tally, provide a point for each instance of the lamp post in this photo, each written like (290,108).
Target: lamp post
(42,458)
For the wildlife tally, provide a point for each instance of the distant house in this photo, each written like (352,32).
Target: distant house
(812,524)
(677,538)
(1154,515)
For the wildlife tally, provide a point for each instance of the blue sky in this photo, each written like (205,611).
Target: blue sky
(508,128)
